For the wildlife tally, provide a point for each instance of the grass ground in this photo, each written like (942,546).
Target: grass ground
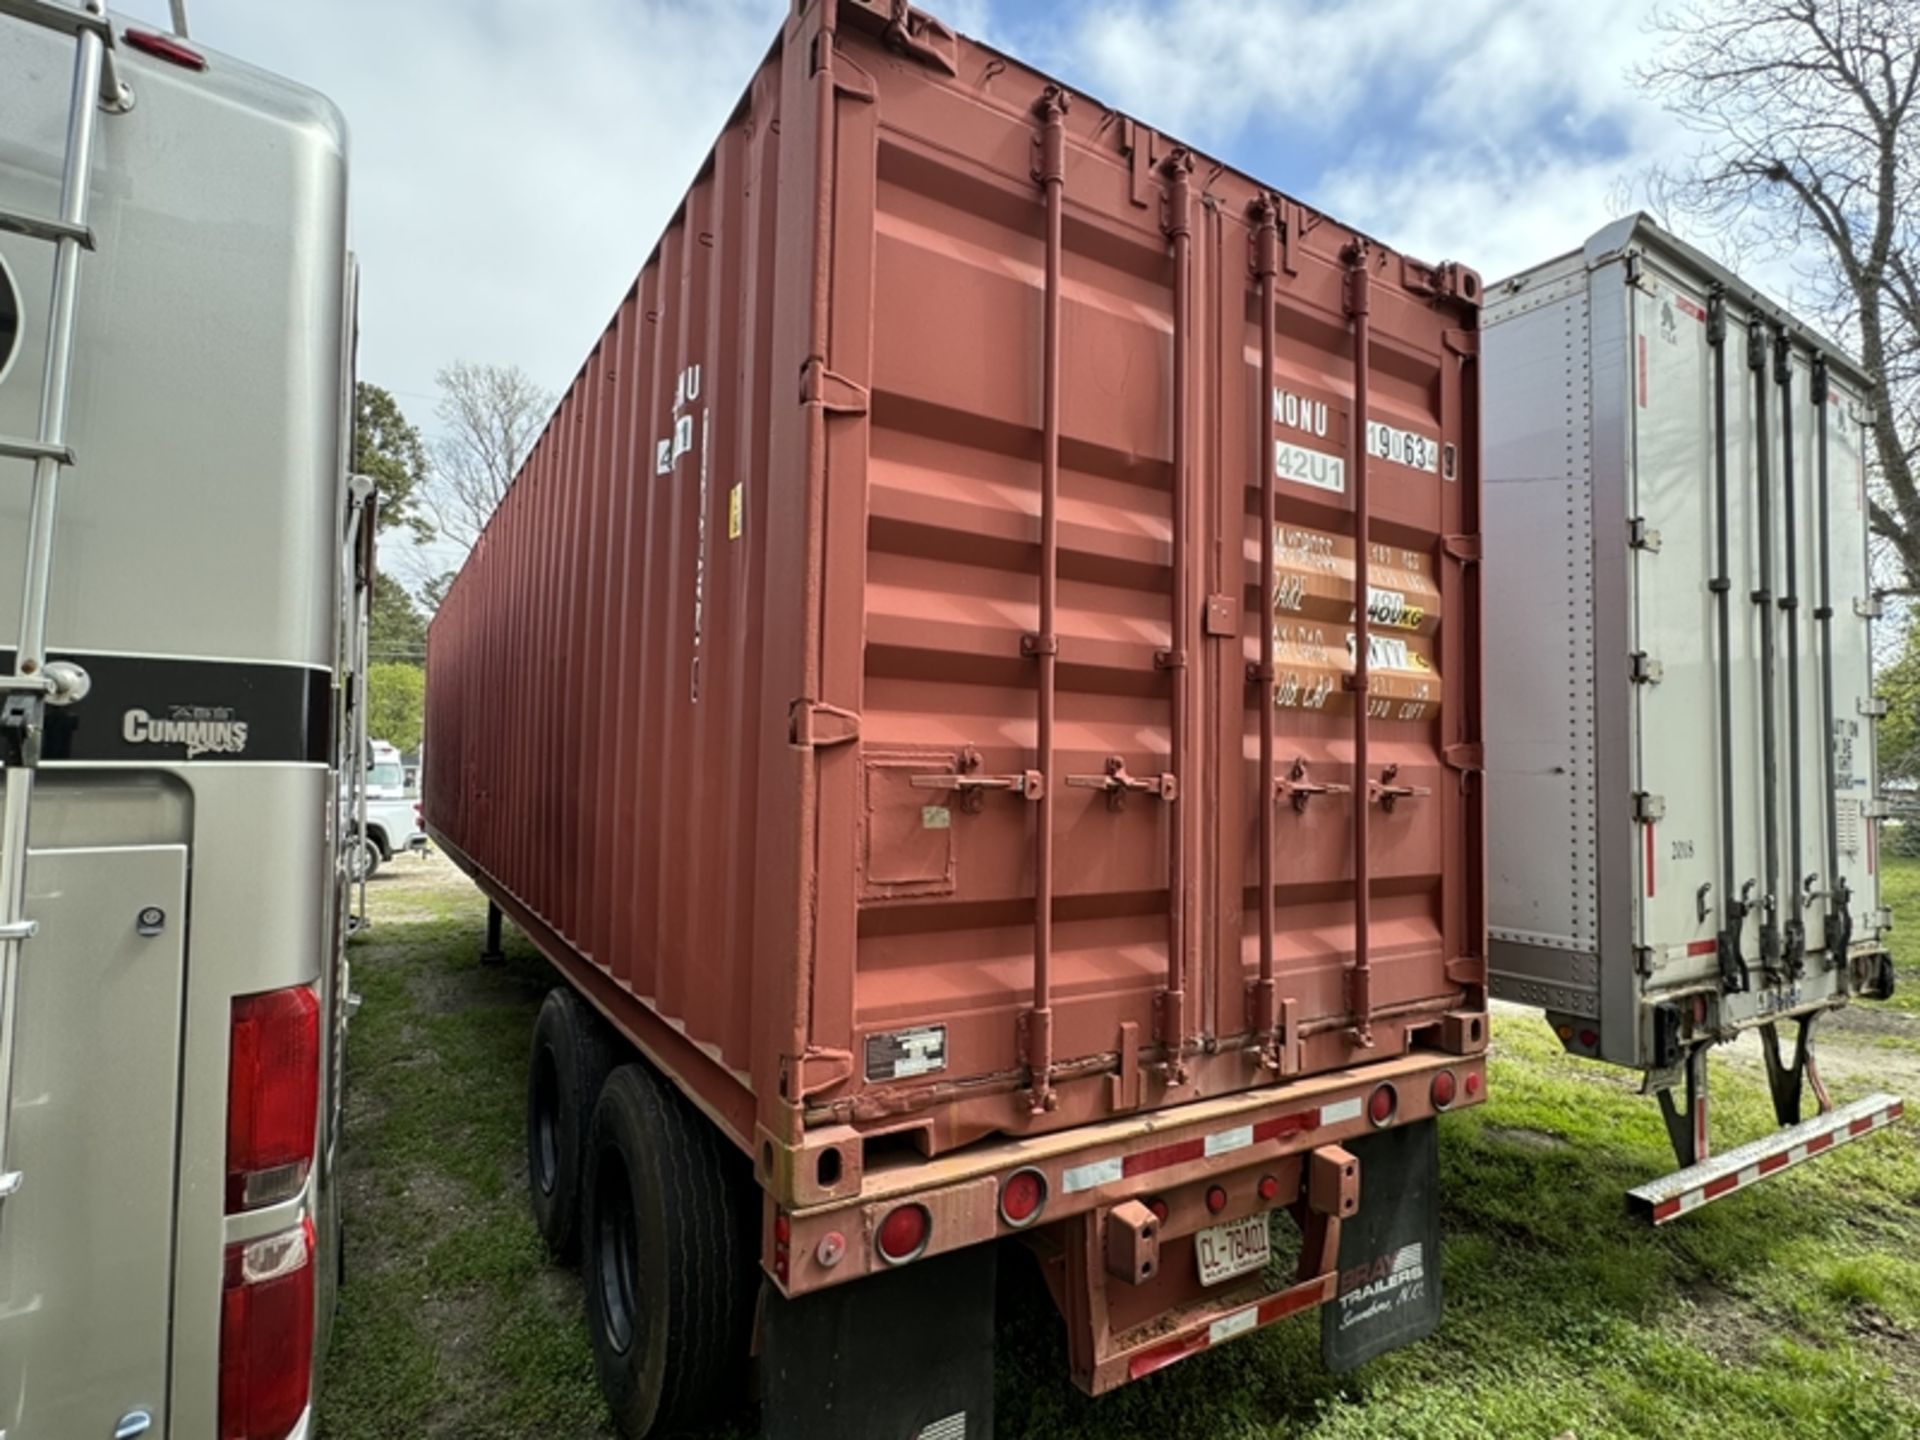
(1791,1309)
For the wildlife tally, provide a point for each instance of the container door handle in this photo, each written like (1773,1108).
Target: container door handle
(1118,784)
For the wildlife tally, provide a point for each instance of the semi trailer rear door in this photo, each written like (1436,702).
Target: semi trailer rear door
(86,1243)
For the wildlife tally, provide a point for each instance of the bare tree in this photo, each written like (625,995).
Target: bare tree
(489,415)
(1810,113)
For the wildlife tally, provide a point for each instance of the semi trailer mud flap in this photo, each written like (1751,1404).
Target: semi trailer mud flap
(1389,1291)
(905,1355)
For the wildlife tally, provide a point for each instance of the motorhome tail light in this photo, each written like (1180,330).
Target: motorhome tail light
(166,47)
(1443,1089)
(266,1335)
(1216,1199)
(1023,1197)
(1383,1104)
(904,1234)
(273,1080)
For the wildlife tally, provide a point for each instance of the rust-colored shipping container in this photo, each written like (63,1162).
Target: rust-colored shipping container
(914,688)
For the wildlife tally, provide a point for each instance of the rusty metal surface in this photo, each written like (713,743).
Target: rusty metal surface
(913,501)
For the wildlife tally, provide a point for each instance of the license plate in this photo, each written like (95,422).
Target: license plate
(1234,1248)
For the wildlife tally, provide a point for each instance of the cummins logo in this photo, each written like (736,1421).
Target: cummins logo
(202,730)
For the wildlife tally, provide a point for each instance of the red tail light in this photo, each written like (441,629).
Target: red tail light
(1384,1103)
(1443,1090)
(904,1234)
(1023,1197)
(273,1088)
(266,1335)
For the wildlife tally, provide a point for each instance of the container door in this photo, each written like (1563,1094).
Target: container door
(86,1245)
(1674,665)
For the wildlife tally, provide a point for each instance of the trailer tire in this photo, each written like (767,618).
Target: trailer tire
(669,1257)
(572,1054)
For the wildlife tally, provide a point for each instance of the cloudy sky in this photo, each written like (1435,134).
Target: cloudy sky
(514,159)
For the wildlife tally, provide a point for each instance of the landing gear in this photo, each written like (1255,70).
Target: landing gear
(1687,1127)
(490,953)
(1785,1080)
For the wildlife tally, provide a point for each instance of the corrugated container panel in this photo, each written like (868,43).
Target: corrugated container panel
(763,594)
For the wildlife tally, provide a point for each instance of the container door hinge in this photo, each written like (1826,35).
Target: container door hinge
(1467,755)
(1868,607)
(814,725)
(1648,807)
(1464,548)
(1643,960)
(1460,342)
(819,1069)
(1642,536)
(1645,669)
(1467,970)
(1872,706)
(831,391)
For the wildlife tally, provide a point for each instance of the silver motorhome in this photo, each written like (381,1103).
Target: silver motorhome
(1680,769)
(177,536)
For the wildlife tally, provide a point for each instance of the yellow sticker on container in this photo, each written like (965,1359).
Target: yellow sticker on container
(733,512)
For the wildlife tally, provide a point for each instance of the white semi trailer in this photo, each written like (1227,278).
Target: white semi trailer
(184,566)
(1681,792)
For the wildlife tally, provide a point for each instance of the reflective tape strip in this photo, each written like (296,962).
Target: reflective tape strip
(1341,1111)
(1085,1177)
(1234,1323)
(1225,1142)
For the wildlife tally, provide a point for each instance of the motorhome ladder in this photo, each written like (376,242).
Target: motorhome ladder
(34,682)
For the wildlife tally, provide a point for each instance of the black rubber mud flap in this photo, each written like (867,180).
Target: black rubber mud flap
(906,1355)
(1389,1293)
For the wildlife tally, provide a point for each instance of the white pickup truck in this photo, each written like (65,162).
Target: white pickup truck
(393,812)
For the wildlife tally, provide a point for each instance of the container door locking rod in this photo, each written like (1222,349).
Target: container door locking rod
(1794,954)
(1179,227)
(1359,307)
(1266,266)
(1733,908)
(1763,602)
(1839,916)
(1044,647)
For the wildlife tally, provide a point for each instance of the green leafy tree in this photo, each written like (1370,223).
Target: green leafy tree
(396,703)
(396,630)
(388,448)
(1898,737)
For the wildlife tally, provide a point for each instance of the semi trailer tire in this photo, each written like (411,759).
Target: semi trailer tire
(572,1054)
(669,1258)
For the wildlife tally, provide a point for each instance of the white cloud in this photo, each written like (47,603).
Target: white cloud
(1496,132)
(513,162)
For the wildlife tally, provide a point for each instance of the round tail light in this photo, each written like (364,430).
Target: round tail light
(1023,1197)
(1159,1208)
(1473,1083)
(1382,1106)
(904,1234)
(1269,1187)
(1443,1089)
(1216,1199)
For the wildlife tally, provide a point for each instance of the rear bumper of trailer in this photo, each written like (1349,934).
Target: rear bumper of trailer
(1684,1191)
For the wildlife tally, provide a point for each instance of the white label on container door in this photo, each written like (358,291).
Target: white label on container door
(1304,466)
(1403,447)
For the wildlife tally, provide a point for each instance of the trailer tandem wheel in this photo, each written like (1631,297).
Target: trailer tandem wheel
(572,1053)
(669,1259)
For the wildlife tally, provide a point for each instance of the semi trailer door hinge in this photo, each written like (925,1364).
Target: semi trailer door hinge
(1648,807)
(1873,706)
(830,390)
(1868,607)
(1642,536)
(814,725)
(1645,669)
